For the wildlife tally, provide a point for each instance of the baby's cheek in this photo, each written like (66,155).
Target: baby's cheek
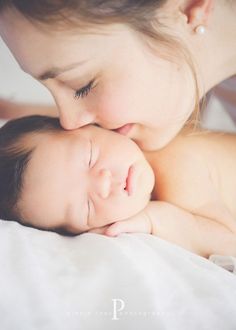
(117,209)
(106,212)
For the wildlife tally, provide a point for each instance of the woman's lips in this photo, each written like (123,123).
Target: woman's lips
(124,130)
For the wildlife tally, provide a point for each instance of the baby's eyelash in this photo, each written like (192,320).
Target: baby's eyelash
(84,91)
(88,210)
(91,154)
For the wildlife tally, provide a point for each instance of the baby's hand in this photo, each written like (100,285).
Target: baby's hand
(160,219)
(169,222)
(139,223)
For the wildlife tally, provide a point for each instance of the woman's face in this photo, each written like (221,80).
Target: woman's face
(109,77)
(83,179)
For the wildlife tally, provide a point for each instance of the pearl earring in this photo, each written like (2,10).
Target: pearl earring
(200,29)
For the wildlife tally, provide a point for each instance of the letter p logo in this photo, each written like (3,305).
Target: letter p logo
(118,306)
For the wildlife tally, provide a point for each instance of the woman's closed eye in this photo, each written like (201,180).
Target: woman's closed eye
(84,91)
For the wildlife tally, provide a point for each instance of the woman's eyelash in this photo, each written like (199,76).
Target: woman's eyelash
(84,91)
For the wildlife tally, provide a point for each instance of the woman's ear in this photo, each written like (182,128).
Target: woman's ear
(197,12)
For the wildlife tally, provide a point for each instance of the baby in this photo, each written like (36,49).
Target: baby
(96,180)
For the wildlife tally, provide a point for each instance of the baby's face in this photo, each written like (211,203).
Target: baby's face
(84,179)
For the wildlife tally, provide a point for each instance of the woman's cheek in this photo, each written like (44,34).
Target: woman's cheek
(115,106)
(113,109)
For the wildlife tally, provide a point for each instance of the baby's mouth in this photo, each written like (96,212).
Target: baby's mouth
(129,184)
(124,130)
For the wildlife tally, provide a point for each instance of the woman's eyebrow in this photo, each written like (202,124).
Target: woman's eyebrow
(55,71)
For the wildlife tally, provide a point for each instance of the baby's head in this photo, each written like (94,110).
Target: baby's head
(69,181)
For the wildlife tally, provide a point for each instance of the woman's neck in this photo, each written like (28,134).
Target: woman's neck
(215,51)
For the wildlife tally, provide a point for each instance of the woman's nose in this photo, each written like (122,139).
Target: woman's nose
(73,113)
(102,183)
(72,118)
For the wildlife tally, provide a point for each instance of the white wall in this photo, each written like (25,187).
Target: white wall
(17,85)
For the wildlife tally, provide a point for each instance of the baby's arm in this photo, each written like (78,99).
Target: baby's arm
(192,232)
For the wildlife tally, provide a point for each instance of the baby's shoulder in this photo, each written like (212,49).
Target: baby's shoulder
(182,171)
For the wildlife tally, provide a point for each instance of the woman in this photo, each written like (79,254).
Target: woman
(138,67)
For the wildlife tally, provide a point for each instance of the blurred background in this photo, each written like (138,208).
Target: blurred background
(16,85)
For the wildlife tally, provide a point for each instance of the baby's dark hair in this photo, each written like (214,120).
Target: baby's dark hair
(15,156)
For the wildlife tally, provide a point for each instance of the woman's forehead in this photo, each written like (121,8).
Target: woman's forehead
(39,49)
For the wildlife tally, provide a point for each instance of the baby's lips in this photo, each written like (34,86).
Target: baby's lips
(130,181)
(124,130)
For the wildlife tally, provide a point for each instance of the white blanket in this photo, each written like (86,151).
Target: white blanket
(134,281)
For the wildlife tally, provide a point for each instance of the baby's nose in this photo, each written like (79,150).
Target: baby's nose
(103,183)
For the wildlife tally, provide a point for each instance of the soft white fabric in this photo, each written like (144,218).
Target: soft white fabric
(227,262)
(51,282)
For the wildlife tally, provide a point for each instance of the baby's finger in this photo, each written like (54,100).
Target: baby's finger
(139,224)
